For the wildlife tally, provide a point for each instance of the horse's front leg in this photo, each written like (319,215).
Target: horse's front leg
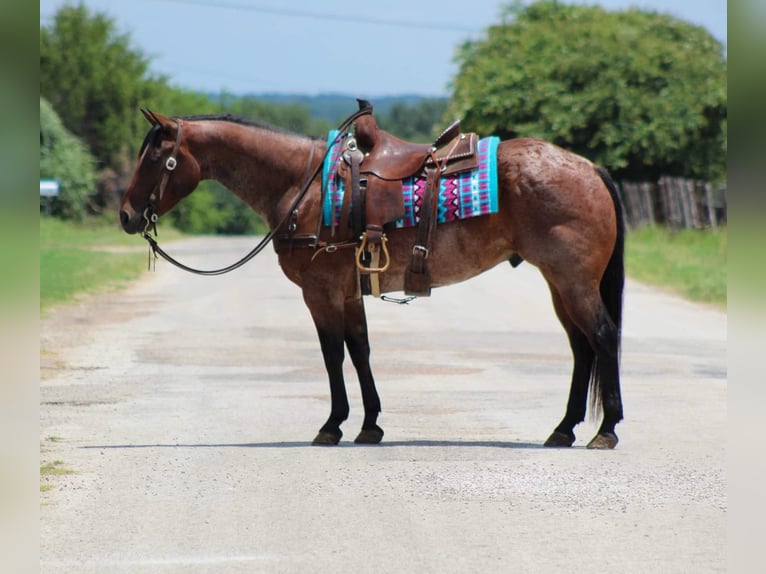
(329,322)
(358,346)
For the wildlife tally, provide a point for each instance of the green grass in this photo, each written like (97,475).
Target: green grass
(55,468)
(691,263)
(87,257)
(50,469)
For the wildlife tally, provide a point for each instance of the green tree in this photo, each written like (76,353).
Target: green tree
(65,158)
(172,101)
(642,93)
(415,122)
(295,117)
(212,209)
(95,81)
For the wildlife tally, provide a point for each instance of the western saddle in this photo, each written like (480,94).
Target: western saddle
(374,163)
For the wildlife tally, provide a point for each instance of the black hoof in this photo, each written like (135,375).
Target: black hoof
(370,436)
(604,441)
(559,439)
(325,438)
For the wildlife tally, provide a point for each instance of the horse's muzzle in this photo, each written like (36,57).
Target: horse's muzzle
(131,223)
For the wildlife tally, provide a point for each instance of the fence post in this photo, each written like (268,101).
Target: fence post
(712,219)
(645,191)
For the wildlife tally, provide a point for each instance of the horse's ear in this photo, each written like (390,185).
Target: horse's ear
(149,116)
(163,121)
(157,119)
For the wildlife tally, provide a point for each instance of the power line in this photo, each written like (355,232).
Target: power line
(324,16)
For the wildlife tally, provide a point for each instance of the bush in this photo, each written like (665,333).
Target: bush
(65,158)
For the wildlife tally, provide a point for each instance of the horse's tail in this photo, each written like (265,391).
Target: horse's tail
(611,288)
(613,281)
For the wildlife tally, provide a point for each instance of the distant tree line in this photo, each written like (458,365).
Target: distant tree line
(643,94)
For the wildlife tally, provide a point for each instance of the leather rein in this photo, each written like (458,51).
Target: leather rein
(150,213)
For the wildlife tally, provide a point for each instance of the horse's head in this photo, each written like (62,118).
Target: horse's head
(165,174)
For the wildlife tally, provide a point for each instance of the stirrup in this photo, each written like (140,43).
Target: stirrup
(360,250)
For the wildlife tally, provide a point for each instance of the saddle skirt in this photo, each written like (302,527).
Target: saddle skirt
(461,195)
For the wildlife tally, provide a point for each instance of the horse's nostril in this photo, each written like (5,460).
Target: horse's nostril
(124,219)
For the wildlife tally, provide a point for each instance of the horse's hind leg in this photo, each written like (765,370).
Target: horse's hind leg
(606,381)
(358,346)
(586,310)
(563,435)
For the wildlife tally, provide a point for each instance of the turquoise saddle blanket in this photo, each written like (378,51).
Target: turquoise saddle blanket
(463,195)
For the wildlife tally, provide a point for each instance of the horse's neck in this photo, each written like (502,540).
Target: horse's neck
(262,167)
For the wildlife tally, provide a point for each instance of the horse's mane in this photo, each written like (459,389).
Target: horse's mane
(241,121)
(153,134)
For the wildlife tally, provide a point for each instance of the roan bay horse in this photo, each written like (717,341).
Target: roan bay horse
(557,211)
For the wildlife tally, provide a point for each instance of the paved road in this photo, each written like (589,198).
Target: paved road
(186,406)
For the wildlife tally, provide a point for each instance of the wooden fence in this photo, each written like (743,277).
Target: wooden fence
(675,202)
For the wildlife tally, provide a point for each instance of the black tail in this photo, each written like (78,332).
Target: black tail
(611,288)
(613,281)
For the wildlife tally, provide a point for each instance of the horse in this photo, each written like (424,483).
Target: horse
(557,211)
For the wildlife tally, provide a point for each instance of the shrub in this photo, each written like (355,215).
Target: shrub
(65,158)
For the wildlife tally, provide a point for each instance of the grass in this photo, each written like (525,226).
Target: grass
(691,263)
(87,257)
(50,469)
(55,468)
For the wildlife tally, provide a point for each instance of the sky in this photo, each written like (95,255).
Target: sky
(363,48)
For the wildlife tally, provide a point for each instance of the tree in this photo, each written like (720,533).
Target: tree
(292,116)
(95,81)
(212,209)
(642,93)
(172,102)
(418,122)
(65,158)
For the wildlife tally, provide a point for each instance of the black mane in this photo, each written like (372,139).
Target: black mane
(241,121)
(153,135)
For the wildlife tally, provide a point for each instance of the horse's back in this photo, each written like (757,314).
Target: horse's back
(544,181)
(540,162)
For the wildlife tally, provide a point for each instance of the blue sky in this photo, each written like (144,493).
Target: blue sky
(366,49)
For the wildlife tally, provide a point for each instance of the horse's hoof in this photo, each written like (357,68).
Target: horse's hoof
(325,438)
(370,436)
(559,439)
(604,441)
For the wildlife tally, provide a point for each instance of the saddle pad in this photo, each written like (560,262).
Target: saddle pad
(463,195)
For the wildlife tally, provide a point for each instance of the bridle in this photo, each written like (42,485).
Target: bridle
(151,212)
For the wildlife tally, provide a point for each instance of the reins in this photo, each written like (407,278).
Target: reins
(170,165)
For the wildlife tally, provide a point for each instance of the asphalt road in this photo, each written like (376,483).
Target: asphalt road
(186,406)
